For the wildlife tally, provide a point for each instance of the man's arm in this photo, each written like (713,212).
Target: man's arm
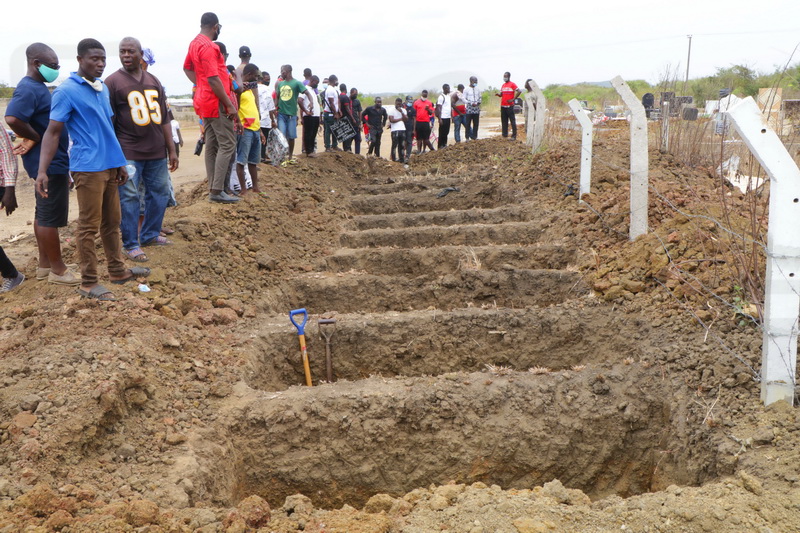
(22,129)
(307,94)
(49,146)
(219,91)
(191,75)
(10,170)
(166,127)
(438,110)
(384,115)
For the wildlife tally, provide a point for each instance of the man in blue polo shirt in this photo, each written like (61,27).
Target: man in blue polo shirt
(97,164)
(27,115)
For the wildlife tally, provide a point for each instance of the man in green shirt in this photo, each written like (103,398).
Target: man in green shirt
(287,92)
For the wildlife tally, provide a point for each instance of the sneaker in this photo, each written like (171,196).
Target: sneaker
(67,278)
(43,273)
(12,283)
(222,198)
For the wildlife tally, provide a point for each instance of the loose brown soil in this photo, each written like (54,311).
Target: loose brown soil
(504,360)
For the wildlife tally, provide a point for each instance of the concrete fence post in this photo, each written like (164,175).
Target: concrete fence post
(665,128)
(536,109)
(587,129)
(782,292)
(639,158)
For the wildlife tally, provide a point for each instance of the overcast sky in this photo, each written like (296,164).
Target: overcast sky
(378,47)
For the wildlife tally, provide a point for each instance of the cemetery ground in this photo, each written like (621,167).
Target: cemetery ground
(504,360)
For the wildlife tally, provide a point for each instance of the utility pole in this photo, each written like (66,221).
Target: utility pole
(688,59)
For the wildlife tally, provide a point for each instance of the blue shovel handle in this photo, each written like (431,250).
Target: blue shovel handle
(301,328)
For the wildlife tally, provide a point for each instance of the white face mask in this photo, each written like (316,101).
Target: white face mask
(324,86)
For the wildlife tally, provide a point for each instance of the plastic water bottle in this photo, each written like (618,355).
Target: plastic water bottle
(131,169)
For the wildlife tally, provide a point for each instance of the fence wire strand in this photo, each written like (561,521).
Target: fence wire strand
(738,243)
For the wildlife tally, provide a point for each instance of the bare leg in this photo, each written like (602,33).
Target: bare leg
(291,147)
(49,244)
(253,176)
(240,175)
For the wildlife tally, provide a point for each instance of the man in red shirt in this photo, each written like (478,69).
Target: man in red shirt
(508,93)
(205,67)
(424,109)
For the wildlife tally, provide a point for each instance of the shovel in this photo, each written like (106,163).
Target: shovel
(301,333)
(327,336)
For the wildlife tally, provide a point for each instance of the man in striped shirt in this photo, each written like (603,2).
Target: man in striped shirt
(8,182)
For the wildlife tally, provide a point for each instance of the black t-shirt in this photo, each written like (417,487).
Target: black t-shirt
(375,118)
(357,110)
(411,112)
(344,105)
(140,109)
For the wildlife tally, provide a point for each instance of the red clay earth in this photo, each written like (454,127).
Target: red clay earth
(504,360)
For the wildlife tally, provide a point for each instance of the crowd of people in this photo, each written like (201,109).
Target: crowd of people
(223,95)
(116,142)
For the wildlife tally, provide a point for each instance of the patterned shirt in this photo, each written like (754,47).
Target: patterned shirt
(473,98)
(8,161)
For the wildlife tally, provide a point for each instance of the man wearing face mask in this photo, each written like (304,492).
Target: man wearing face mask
(28,115)
(508,93)
(205,67)
(472,96)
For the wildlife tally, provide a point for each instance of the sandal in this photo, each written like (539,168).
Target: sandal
(167,231)
(98,292)
(158,241)
(136,272)
(137,255)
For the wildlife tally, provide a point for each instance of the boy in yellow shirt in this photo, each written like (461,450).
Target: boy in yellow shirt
(248,145)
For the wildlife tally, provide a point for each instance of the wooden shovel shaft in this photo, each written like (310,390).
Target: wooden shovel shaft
(304,355)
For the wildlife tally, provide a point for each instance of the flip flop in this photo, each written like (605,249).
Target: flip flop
(136,272)
(137,255)
(98,292)
(158,241)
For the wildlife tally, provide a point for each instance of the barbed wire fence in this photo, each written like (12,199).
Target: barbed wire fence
(733,235)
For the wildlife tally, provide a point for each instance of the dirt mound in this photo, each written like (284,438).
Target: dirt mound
(540,349)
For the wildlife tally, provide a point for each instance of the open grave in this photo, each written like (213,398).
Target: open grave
(466,348)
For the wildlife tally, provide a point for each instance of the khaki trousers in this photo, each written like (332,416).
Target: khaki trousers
(98,210)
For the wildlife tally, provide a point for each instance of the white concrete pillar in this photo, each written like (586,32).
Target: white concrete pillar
(782,292)
(536,105)
(639,158)
(587,128)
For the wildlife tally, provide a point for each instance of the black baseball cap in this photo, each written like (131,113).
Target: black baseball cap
(244,51)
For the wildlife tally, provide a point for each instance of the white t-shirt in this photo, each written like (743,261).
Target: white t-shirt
(316,110)
(397,113)
(265,105)
(331,92)
(444,101)
(175,128)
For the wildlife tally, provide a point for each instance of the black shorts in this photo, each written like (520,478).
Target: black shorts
(53,211)
(423,131)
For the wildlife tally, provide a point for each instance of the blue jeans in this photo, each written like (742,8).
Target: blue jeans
(287,125)
(328,137)
(155,177)
(458,121)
